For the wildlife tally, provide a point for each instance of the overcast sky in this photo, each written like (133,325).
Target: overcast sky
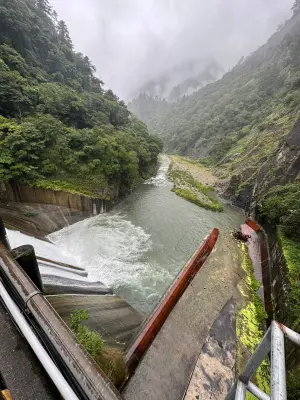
(133,41)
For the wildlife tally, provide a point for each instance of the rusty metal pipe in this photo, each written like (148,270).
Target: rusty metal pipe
(157,318)
(89,378)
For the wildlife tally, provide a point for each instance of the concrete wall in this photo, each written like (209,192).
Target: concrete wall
(280,291)
(19,193)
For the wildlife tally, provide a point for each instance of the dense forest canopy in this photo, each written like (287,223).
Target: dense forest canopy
(236,123)
(58,126)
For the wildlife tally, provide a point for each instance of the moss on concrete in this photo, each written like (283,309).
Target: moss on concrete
(249,325)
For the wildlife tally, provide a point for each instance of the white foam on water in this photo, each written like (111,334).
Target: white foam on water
(113,250)
(42,248)
(46,250)
(161,178)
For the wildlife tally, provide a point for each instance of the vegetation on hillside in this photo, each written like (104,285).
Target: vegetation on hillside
(282,207)
(235,125)
(58,126)
(258,91)
(110,360)
(291,252)
(190,189)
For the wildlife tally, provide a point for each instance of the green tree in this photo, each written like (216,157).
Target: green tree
(58,127)
(296,6)
(63,33)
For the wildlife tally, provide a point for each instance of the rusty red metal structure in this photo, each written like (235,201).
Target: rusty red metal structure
(157,318)
(253,225)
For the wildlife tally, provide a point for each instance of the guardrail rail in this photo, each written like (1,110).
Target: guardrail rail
(272,342)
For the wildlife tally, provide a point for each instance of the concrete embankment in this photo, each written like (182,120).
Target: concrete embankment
(53,285)
(38,212)
(215,368)
(166,369)
(109,315)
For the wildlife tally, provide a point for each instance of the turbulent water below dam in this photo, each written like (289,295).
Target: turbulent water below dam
(140,246)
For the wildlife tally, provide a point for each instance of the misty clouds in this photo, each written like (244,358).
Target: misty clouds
(133,41)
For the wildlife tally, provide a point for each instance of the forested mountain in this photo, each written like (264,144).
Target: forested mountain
(244,97)
(239,124)
(58,127)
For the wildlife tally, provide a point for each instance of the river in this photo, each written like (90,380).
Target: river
(141,245)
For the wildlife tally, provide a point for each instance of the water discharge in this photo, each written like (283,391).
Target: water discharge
(139,247)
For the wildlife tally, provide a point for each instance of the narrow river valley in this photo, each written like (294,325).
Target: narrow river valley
(140,246)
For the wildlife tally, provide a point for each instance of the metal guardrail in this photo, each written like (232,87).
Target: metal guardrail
(273,342)
(26,302)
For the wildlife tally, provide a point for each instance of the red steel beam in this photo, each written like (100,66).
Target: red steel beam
(157,318)
(250,222)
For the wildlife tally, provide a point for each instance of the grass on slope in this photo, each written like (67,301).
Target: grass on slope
(190,189)
(255,146)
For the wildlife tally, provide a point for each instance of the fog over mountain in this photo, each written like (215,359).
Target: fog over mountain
(134,42)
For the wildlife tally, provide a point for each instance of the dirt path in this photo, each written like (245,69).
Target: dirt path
(199,172)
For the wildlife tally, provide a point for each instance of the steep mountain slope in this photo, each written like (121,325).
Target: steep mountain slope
(239,123)
(243,98)
(58,127)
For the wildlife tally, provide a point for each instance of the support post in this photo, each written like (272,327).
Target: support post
(240,391)
(3,235)
(278,373)
(26,258)
(260,353)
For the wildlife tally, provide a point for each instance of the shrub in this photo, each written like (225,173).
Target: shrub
(282,207)
(90,340)
(110,360)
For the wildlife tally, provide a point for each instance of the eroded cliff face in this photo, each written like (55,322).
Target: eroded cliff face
(282,167)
